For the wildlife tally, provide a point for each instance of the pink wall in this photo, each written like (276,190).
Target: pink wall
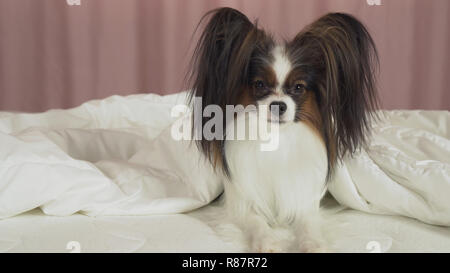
(53,55)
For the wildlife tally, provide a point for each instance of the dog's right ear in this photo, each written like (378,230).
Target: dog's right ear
(219,66)
(215,56)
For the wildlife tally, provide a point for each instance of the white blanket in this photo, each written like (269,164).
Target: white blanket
(116,157)
(405,170)
(106,157)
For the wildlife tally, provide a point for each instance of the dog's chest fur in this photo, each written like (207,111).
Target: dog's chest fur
(282,184)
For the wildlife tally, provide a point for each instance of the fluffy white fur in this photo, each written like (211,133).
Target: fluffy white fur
(273,196)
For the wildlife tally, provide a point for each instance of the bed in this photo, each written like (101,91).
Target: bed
(107,177)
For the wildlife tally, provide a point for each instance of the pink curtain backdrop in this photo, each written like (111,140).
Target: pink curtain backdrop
(53,55)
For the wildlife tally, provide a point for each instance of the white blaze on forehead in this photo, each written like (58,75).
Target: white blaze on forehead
(281,66)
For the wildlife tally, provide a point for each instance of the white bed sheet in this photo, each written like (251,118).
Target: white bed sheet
(199,231)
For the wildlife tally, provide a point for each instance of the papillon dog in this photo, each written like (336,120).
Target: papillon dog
(322,86)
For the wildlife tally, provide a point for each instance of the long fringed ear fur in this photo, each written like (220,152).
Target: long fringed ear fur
(340,54)
(219,69)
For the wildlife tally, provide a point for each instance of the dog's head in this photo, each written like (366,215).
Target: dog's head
(323,77)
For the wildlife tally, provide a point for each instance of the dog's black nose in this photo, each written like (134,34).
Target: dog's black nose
(282,107)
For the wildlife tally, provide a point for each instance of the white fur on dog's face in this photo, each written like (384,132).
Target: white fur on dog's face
(281,67)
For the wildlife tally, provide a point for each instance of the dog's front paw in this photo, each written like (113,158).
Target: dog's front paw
(278,240)
(267,245)
(313,246)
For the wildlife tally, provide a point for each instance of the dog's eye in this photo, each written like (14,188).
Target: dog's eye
(299,87)
(260,89)
(259,84)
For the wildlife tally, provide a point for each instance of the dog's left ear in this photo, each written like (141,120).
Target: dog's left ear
(338,50)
